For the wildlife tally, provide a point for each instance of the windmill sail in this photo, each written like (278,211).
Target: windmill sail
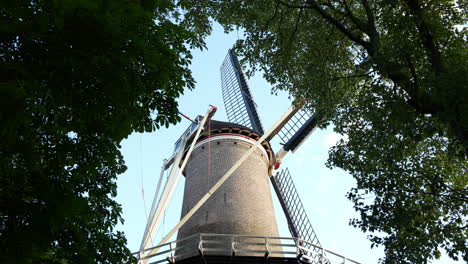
(296,131)
(298,222)
(240,106)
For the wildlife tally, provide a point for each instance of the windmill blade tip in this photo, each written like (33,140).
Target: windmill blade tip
(214,107)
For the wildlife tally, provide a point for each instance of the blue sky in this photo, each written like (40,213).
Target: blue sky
(322,190)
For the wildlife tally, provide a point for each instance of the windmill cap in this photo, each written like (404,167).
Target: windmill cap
(215,127)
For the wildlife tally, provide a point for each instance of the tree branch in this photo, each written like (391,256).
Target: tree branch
(267,25)
(369,13)
(358,22)
(373,34)
(413,72)
(325,15)
(419,100)
(295,27)
(426,35)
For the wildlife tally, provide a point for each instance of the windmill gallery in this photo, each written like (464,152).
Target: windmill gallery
(227,213)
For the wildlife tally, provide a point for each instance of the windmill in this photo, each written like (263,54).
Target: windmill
(227,213)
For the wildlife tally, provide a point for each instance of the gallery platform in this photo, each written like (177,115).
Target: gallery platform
(237,249)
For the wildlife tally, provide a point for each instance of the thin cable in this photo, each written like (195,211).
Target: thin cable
(141,182)
(141,176)
(209,154)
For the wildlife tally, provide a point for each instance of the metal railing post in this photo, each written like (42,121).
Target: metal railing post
(171,253)
(233,250)
(322,257)
(140,255)
(200,244)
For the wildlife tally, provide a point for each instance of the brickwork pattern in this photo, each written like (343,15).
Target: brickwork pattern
(242,205)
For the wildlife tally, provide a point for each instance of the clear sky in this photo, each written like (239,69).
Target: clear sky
(322,190)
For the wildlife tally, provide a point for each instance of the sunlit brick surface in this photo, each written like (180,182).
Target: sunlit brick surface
(242,205)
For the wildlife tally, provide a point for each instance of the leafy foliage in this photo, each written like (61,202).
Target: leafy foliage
(78,77)
(392,77)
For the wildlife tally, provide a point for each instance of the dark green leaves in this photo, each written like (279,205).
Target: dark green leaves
(392,76)
(78,77)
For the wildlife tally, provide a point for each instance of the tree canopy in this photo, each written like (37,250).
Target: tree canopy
(76,78)
(392,77)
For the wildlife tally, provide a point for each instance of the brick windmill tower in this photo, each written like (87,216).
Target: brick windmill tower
(227,213)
